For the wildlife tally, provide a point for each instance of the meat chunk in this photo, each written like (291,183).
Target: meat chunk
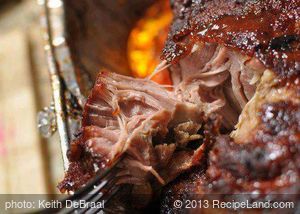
(256,43)
(137,119)
(219,49)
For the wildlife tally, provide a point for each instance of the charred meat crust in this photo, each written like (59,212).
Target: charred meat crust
(268,30)
(268,166)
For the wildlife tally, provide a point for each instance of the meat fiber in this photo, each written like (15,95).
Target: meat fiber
(217,77)
(141,121)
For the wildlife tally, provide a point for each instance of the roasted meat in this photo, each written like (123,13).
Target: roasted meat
(230,122)
(257,44)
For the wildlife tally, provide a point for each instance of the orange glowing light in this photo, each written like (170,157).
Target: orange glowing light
(146,42)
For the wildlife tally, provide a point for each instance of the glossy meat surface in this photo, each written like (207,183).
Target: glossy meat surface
(268,30)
